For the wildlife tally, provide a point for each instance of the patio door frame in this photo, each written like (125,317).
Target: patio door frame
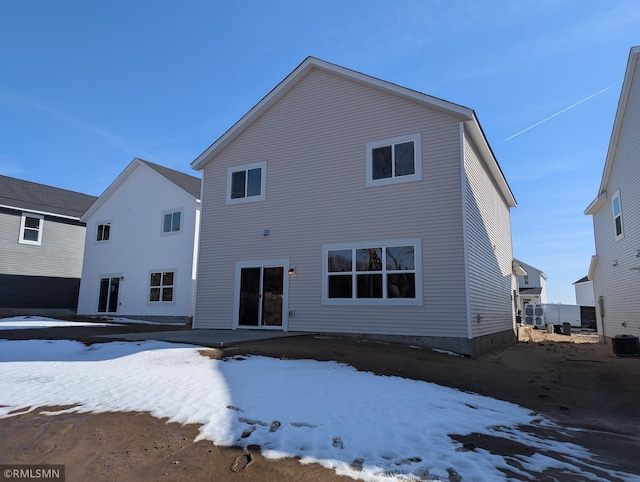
(262,264)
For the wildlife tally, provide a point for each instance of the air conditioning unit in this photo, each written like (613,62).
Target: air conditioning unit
(534,315)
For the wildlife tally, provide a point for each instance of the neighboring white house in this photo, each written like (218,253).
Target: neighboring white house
(141,247)
(532,286)
(41,247)
(584,292)
(345,204)
(615,270)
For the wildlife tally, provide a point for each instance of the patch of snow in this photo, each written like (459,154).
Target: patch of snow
(360,424)
(28,322)
(144,322)
(446,352)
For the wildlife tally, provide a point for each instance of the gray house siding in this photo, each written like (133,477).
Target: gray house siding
(491,280)
(314,140)
(616,287)
(40,276)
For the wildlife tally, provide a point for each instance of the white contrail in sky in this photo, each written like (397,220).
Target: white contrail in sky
(562,111)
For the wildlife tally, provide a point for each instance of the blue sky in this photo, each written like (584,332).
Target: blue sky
(87,86)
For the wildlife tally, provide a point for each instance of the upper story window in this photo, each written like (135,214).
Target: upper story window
(171,221)
(31,229)
(384,272)
(103,232)
(246,183)
(526,279)
(394,160)
(617,215)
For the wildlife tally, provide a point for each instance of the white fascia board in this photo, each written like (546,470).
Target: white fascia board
(43,213)
(596,204)
(592,267)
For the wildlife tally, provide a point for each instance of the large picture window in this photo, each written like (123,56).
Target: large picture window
(31,229)
(394,160)
(383,272)
(246,183)
(617,215)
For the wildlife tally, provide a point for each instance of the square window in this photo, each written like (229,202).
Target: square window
(394,160)
(161,287)
(171,222)
(246,183)
(31,229)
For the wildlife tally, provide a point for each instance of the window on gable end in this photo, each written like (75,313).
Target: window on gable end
(172,221)
(246,183)
(394,160)
(103,232)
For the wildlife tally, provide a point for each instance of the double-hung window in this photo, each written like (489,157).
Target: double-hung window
(161,285)
(31,229)
(382,272)
(171,221)
(617,215)
(246,183)
(103,232)
(394,160)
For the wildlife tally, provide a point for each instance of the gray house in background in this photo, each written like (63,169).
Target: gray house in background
(41,247)
(615,269)
(342,203)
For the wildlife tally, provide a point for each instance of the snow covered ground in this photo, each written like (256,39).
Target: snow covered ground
(359,424)
(28,322)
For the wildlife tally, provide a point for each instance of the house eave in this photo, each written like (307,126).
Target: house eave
(44,213)
(309,64)
(596,204)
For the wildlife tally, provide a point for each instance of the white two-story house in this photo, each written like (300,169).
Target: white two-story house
(41,247)
(342,203)
(615,269)
(532,285)
(141,247)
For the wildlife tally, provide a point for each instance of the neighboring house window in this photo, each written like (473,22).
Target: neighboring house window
(161,286)
(526,279)
(398,159)
(31,229)
(246,183)
(617,215)
(384,272)
(103,232)
(171,221)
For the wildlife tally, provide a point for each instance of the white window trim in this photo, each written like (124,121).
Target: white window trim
(263,182)
(95,232)
(174,286)
(621,235)
(171,211)
(417,145)
(417,247)
(23,221)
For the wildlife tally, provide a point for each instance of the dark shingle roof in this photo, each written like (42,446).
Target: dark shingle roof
(31,196)
(189,183)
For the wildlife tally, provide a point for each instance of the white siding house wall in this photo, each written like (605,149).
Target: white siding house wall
(313,141)
(619,285)
(58,255)
(491,279)
(138,247)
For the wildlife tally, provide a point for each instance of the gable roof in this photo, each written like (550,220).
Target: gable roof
(584,279)
(42,199)
(530,269)
(634,55)
(187,183)
(466,115)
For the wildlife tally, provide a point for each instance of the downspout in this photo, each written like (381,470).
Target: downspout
(465,239)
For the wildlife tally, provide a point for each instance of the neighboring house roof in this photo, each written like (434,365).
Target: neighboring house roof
(634,55)
(528,268)
(582,280)
(465,114)
(39,198)
(530,291)
(188,183)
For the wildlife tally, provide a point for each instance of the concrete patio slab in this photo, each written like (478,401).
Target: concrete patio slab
(208,338)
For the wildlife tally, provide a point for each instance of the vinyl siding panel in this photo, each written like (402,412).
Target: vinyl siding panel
(313,140)
(491,281)
(619,285)
(59,254)
(138,247)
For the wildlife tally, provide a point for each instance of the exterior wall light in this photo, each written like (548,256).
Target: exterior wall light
(292,271)
(615,262)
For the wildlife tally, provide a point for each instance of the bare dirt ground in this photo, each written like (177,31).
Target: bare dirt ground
(568,379)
